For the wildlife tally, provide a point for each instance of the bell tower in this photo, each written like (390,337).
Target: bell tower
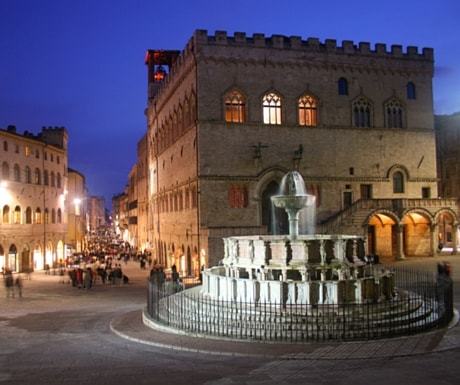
(159,63)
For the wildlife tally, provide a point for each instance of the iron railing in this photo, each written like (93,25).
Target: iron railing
(422,302)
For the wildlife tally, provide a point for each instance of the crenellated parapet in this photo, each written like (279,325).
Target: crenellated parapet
(311,44)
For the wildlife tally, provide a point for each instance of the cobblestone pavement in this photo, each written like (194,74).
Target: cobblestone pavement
(57,334)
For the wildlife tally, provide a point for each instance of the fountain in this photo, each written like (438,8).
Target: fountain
(307,286)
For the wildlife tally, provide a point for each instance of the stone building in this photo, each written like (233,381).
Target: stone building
(447,129)
(78,220)
(96,212)
(33,222)
(229,115)
(120,214)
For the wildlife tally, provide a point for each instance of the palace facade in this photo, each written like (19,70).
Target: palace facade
(229,115)
(33,185)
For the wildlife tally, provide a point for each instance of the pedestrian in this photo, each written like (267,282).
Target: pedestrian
(18,284)
(8,277)
(87,278)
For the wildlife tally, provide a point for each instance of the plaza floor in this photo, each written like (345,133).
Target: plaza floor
(57,334)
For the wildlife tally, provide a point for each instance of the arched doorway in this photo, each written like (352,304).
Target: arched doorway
(417,236)
(445,236)
(381,236)
(60,251)
(275,219)
(25,264)
(49,254)
(38,262)
(13,258)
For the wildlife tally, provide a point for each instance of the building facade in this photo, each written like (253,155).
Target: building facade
(95,207)
(78,219)
(229,115)
(33,186)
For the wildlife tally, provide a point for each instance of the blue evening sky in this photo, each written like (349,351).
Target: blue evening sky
(79,63)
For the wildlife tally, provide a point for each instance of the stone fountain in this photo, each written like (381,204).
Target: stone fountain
(295,269)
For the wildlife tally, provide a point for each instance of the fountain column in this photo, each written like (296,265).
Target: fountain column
(400,242)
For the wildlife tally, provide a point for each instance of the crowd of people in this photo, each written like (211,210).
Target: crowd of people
(12,285)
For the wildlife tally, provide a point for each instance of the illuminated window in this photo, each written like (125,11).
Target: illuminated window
(342,86)
(6,214)
(398,182)
(28,174)
(362,112)
(394,114)
(5,170)
(47,216)
(38,216)
(17,173)
(234,107)
(27,150)
(410,88)
(37,176)
(271,104)
(17,215)
(308,112)
(28,215)
(59,216)
(46,178)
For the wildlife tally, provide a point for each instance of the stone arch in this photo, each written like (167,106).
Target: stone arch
(25,263)
(398,167)
(265,177)
(382,226)
(37,257)
(417,239)
(446,228)
(419,210)
(12,259)
(49,253)
(445,210)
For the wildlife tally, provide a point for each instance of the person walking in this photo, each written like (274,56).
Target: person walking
(18,284)
(9,283)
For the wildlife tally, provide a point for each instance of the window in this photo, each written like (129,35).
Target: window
(426,192)
(45,178)
(27,150)
(51,157)
(53,180)
(16,149)
(28,215)
(394,114)
(38,216)
(342,86)
(5,170)
(59,216)
(366,191)
(398,182)
(362,112)
(37,176)
(37,154)
(5,145)
(17,173)
(58,160)
(351,171)
(308,111)
(234,107)
(271,104)
(45,155)
(347,199)
(6,214)
(53,216)
(17,215)
(410,88)
(28,175)
(58,180)
(47,216)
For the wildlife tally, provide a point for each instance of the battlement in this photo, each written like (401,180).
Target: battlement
(311,44)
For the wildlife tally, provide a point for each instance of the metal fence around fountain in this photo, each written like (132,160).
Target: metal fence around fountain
(423,301)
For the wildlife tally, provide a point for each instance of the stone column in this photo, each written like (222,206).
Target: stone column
(454,238)
(400,242)
(434,239)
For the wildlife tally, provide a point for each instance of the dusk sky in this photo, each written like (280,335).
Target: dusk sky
(80,63)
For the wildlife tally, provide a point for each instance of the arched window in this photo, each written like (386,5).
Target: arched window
(398,182)
(53,216)
(394,114)
(38,216)
(45,178)
(59,216)
(58,180)
(6,214)
(271,104)
(17,173)
(362,112)
(308,111)
(342,86)
(410,88)
(37,176)
(235,106)
(47,216)
(17,215)
(28,175)
(53,180)
(5,145)
(5,170)
(28,215)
